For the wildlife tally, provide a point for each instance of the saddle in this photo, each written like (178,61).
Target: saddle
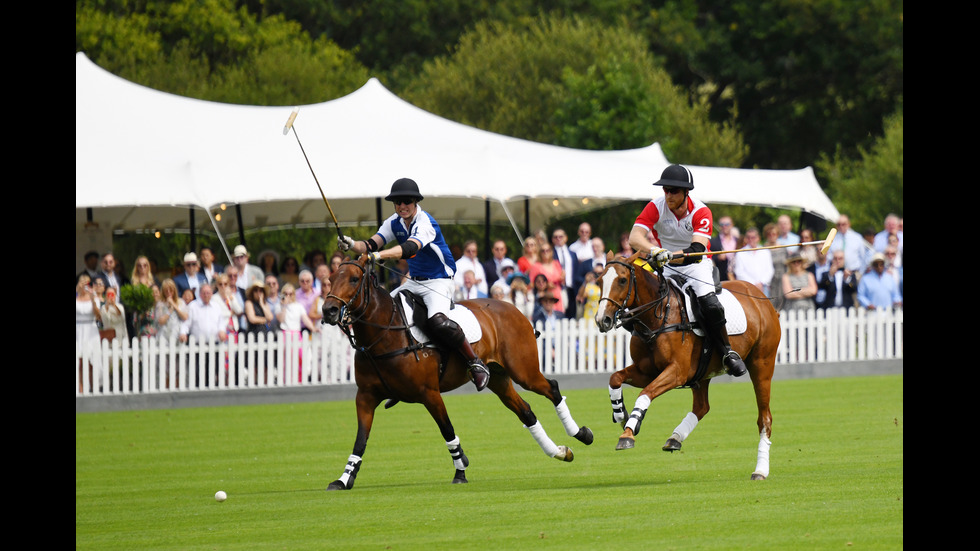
(416,311)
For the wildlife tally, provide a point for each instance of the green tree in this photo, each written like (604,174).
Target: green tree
(541,80)
(805,76)
(872,186)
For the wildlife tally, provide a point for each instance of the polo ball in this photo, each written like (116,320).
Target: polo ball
(220,496)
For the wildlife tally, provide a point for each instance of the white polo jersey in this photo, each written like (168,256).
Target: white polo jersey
(672,233)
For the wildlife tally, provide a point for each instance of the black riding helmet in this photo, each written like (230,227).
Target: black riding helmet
(676,176)
(404,187)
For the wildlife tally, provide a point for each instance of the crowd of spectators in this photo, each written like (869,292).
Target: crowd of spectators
(550,280)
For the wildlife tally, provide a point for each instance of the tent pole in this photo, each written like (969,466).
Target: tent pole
(513,224)
(377,210)
(527,217)
(193,230)
(241,230)
(486,226)
(221,238)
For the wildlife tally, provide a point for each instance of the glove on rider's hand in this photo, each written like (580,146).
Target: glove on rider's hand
(345,243)
(375,256)
(660,256)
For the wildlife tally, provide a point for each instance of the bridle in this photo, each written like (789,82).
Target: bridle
(623,314)
(350,315)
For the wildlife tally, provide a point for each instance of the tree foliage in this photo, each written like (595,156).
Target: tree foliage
(542,80)
(872,186)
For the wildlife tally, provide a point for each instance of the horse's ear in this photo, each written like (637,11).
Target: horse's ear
(609,256)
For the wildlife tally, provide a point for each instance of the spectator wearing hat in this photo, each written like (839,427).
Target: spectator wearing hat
(192,278)
(247,273)
(493,268)
(521,294)
(799,284)
(547,315)
(878,290)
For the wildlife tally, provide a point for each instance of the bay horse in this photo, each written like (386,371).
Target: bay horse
(667,353)
(391,365)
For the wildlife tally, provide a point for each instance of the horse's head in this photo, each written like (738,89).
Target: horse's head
(349,290)
(620,283)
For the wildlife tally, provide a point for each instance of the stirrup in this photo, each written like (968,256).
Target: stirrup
(734,364)
(479,373)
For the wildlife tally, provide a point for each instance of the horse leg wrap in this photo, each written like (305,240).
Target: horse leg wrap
(762,461)
(547,446)
(460,461)
(639,411)
(350,471)
(684,429)
(616,398)
(571,428)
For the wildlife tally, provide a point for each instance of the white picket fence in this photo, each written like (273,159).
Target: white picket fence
(150,365)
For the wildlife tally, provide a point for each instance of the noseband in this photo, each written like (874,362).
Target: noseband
(623,314)
(345,309)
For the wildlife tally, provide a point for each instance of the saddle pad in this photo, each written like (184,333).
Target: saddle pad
(735,322)
(458,313)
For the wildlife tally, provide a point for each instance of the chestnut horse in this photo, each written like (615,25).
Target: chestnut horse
(390,364)
(666,352)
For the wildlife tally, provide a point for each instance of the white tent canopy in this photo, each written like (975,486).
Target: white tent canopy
(144,157)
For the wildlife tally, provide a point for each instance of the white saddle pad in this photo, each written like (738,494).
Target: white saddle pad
(735,322)
(458,313)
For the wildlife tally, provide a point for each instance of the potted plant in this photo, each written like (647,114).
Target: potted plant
(138,299)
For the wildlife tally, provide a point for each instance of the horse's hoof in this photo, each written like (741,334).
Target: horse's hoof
(758,476)
(626,443)
(460,477)
(564,454)
(585,436)
(672,445)
(337,485)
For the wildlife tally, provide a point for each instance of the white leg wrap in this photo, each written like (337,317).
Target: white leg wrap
(762,463)
(547,446)
(616,399)
(639,410)
(684,429)
(453,446)
(353,462)
(566,418)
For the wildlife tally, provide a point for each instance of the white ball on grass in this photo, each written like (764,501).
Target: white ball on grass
(220,496)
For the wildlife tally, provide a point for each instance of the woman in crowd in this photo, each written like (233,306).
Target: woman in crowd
(552,270)
(290,271)
(142,273)
(87,318)
(257,311)
(799,285)
(530,256)
(113,314)
(770,236)
(170,311)
(269,262)
(520,294)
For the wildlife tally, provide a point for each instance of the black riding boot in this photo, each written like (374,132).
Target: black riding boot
(713,315)
(451,333)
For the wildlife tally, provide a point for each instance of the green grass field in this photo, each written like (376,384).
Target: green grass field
(146,479)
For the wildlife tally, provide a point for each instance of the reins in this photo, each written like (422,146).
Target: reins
(351,315)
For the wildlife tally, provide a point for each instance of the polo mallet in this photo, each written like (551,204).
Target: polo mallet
(824,246)
(285,130)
